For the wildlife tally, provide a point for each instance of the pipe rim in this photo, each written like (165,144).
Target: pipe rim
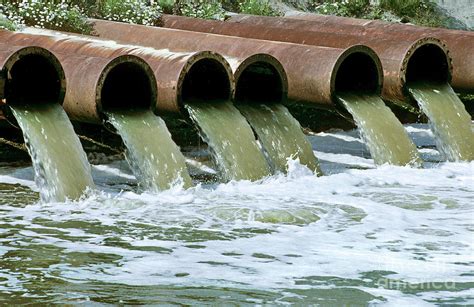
(358,49)
(124,59)
(195,58)
(419,43)
(49,56)
(13,59)
(269,60)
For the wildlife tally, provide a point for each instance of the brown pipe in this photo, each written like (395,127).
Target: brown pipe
(314,73)
(260,78)
(172,78)
(396,56)
(460,43)
(29,74)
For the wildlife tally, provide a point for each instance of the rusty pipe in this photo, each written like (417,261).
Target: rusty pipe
(460,43)
(260,78)
(29,75)
(396,56)
(177,76)
(314,73)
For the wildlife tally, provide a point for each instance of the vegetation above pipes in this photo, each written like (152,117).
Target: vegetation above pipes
(71,15)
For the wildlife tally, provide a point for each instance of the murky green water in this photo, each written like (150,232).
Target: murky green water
(383,133)
(231,140)
(61,167)
(449,119)
(281,135)
(155,159)
(396,235)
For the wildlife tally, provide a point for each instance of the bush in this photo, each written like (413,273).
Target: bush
(258,7)
(60,16)
(201,9)
(167,6)
(131,11)
(348,8)
(420,12)
(6,24)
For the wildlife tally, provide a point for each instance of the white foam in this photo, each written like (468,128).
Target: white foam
(414,224)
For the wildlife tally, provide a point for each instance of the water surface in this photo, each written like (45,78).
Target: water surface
(359,235)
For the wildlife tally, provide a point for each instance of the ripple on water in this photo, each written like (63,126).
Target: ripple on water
(391,234)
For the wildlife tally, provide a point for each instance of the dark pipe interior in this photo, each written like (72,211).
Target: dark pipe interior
(33,79)
(126,86)
(207,80)
(259,82)
(357,73)
(428,63)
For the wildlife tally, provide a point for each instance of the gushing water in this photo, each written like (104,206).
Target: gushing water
(387,140)
(61,167)
(155,159)
(391,235)
(448,118)
(281,135)
(231,140)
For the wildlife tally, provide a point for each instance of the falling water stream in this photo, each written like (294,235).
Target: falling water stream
(384,135)
(231,140)
(448,118)
(281,135)
(153,156)
(61,167)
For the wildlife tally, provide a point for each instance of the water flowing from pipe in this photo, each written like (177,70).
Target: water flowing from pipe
(384,135)
(154,157)
(230,139)
(61,168)
(281,135)
(449,120)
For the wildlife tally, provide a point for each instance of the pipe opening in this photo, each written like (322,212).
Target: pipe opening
(260,82)
(428,63)
(206,80)
(127,85)
(358,72)
(34,78)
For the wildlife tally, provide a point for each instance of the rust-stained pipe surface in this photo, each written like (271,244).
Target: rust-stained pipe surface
(29,75)
(314,73)
(460,43)
(260,78)
(168,80)
(399,57)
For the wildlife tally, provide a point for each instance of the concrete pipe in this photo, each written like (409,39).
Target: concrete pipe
(314,73)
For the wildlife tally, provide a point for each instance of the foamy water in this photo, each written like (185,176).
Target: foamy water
(361,235)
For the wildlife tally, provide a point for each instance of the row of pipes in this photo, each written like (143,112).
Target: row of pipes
(304,59)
